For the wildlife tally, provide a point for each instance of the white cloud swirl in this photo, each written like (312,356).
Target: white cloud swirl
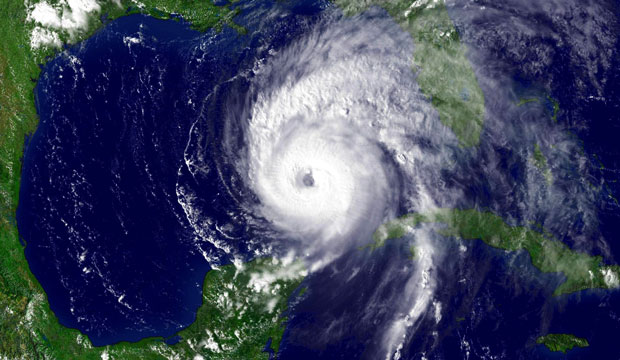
(330,150)
(339,140)
(332,138)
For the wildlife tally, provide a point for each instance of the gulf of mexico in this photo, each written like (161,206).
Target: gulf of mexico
(99,215)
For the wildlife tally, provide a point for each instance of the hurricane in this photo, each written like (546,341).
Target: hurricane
(336,139)
(319,179)
(329,124)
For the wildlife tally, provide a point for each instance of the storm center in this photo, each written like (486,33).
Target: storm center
(308,179)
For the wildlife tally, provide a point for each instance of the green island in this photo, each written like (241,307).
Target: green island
(540,161)
(550,103)
(527,101)
(562,342)
(582,271)
(538,158)
(234,322)
(556,108)
(445,75)
(413,253)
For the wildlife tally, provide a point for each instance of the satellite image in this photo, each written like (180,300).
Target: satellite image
(309,179)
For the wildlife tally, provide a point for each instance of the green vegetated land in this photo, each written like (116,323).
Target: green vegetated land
(445,75)
(562,342)
(527,101)
(582,271)
(202,15)
(555,108)
(241,311)
(538,157)
(550,104)
(236,318)
(540,161)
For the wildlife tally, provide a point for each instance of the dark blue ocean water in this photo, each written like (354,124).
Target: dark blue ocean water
(98,210)
(104,232)
(106,237)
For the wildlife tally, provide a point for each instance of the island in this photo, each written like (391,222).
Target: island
(540,161)
(33,32)
(562,342)
(582,271)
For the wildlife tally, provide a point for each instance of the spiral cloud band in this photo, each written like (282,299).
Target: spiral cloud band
(330,150)
(339,140)
(330,138)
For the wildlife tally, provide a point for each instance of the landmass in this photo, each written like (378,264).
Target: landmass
(540,161)
(582,271)
(550,104)
(413,252)
(562,342)
(538,157)
(241,312)
(445,75)
(555,108)
(526,101)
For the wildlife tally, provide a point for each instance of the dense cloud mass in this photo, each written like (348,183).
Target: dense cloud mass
(339,139)
(329,151)
(331,138)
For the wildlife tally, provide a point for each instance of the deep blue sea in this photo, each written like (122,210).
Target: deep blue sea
(107,239)
(104,232)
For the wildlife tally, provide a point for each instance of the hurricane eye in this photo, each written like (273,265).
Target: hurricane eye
(308,179)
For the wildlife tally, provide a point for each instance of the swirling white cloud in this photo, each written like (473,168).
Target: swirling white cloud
(329,140)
